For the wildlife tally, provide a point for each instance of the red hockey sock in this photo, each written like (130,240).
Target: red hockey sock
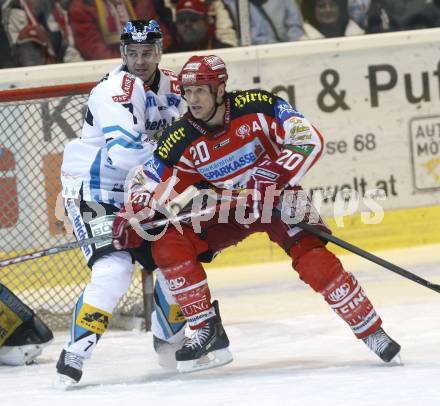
(189,286)
(346,297)
(176,256)
(323,271)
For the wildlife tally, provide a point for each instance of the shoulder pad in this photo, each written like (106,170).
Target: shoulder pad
(174,140)
(127,85)
(105,77)
(253,100)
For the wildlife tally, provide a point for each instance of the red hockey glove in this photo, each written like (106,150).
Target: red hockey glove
(124,236)
(265,185)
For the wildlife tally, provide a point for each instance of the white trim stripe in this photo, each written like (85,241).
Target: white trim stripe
(201,317)
(172,180)
(185,170)
(187,162)
(365,324)
(266,131)
(188,288)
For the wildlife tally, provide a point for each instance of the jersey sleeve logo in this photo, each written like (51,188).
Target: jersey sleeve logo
(167,145)
(127,88)
(284,111)
(154,169)
(243,131)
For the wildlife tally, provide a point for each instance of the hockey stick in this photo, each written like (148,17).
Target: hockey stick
(367,255)
(77,244)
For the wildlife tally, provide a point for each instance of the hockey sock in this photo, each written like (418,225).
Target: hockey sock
(347,298)
(323,271)
(189,286)
(176,256)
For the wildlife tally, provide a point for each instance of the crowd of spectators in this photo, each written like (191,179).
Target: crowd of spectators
(38,32)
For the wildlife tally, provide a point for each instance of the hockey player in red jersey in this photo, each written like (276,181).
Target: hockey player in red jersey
(255,146)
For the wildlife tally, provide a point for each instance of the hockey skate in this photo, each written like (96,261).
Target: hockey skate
(166,352)
(206,348)
(69,370)
(383,346)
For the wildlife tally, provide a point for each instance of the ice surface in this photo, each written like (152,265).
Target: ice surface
(288,347)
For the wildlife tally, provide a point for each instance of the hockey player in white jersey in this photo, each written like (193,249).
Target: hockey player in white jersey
(124,112)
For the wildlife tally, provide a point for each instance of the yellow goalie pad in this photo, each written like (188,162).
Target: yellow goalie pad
(9,321)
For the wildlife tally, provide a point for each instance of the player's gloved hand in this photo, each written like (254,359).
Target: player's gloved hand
(138,210)
(265,185)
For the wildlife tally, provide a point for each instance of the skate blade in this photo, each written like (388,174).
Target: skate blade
(167,360)
(63,382)
(396,360)
(211,360)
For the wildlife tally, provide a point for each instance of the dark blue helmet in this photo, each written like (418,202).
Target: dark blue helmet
(141,32)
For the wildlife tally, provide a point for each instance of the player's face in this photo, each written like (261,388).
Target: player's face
(201,101)
(141,60)
(326,11)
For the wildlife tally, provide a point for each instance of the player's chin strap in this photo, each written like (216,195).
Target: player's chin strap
(214,112)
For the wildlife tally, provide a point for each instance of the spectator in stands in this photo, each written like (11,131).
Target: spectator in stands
(96,24)
(261,30)
(166,16)
(31,20)
(61,8)
(32,47)
(396,15)
(6,60)
(327,19)
(223,24)
(284,17)
(271,20)
(194,28)
(357,10)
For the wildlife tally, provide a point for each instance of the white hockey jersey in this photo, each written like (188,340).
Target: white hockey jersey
(122,117)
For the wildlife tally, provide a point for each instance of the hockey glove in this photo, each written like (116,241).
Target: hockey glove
(137,210)
(265,185)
